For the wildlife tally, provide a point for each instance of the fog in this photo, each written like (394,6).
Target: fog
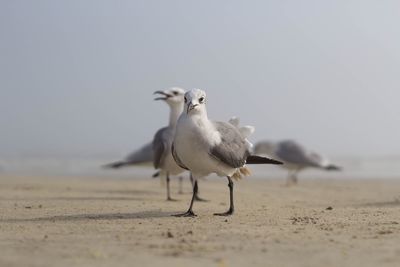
(77,77)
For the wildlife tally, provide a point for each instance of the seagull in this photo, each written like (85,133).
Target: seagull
(204,147)
(162,141)
(295,156)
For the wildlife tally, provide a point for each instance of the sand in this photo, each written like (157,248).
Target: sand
(89,221)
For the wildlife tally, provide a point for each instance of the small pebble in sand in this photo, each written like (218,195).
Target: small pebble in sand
(385,232)
(170,235)
(329,208)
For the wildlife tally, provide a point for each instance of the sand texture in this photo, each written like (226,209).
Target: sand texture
(88,221)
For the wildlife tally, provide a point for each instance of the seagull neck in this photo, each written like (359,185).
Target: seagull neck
(174,114)
(200,118)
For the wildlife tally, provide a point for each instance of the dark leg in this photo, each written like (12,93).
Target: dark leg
(196,197)
(168,190)
(231,207)
(191,179)
(180,185)
(290,180)
(295,179)
(190,213)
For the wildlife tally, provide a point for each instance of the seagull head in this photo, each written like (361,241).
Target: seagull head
(173,96)
(195,101)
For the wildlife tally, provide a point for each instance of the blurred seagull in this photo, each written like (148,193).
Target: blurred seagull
(295,157)
(204,147)
(163,160)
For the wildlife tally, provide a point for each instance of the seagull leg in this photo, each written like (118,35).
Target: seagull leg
(168,190)
(295,179)
(180,185)
(196,197)
(190,212)
(231,207)
(290,180)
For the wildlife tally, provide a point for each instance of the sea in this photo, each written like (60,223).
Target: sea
(383,167)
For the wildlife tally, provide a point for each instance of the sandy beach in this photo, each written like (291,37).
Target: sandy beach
(89,221)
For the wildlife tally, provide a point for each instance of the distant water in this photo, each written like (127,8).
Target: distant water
(388,167)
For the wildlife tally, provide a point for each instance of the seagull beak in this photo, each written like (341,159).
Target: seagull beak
(191,106)
(166,96)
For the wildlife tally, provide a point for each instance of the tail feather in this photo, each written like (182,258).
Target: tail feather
(245,171)
(333,168)
(240,173)
(252,159)
(115,165)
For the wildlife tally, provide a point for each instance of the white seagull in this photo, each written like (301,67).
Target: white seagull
(295,156)
(204,147)
(162,141)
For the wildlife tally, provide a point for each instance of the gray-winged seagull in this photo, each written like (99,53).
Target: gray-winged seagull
(204,147)
(295,156)
(163,138)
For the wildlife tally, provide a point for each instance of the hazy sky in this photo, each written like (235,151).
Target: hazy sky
(76,77)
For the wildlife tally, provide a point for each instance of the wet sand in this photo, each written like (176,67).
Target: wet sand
(53,221)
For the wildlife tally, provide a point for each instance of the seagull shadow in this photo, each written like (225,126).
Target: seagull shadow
(393,203)
(94,217)
(75,199)
(127,192)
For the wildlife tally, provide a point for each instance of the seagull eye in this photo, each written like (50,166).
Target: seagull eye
(201,99)
(175,92)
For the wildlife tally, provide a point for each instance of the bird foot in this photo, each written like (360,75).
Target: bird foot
(171,199)
(197,198)
(290,184)
(228,213)
(189,213)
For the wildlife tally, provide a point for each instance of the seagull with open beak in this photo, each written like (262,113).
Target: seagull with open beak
(162,142)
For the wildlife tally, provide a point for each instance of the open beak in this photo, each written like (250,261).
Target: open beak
(164,97)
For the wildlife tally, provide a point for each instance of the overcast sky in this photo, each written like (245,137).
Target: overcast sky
(76,77)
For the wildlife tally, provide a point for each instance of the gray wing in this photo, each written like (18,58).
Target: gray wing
(177,159)
(233,150)
(144,154)
(294,153)
(160,146)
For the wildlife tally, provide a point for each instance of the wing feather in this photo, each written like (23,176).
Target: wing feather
(233,149)
(160,146)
